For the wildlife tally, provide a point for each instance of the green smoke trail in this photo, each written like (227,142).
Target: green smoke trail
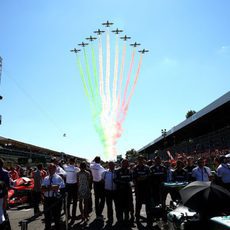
(95,103)
(88,75)
(82,77)
(97,99)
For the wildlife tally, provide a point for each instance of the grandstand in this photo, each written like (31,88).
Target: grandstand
(23,153)
(206,130)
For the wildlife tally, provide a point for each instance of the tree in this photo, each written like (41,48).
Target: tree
(131,154)
(190,113)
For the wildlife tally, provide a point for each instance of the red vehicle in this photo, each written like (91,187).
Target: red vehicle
(21,191)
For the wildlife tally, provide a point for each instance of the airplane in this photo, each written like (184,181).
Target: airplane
(83,44)
(143,51)
(117,31)
(107,24)
(135,44)
(90,38)
(125,38)
(99,31)
(75,50)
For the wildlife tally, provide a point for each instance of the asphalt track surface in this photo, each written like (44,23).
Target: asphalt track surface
(17,214)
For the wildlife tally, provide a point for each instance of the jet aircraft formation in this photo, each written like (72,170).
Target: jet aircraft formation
(117,31)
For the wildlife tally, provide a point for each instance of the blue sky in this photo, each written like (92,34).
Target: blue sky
(187,68)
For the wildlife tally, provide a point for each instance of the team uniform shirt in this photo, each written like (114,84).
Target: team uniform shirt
(140,174)
(201,174)
(123,178)
(71,173)
(223,171)
(108,177)
(141,181)
(97,171)
(55,179)
(158,174)
(189,171)
(169,174)
(180,175)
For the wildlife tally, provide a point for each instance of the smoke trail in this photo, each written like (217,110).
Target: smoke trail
(134,84)
(121,76)
(95,71)
(88,74)
(128,79)
(114,105)
(97,101)
(102,116)
(82,77)
(100,58)
(107,81)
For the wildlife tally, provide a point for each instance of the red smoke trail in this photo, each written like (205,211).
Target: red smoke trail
(128,78)
(134,84)
(121,75)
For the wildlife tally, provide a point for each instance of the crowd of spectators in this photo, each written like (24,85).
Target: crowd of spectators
(113,184)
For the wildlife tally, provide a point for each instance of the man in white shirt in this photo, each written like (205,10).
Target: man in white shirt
(51,187)
(71,187)
(59,170)
(223,172)
(201,172)
(98,186)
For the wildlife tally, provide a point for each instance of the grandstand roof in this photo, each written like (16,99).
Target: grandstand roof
(7,143)
(214,116)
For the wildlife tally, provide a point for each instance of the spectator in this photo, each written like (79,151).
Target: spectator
(189,167)
(84,190)
(59,170)
(71,187)
(123,181)
(36,193)
(4,219)
(108,177)
(141,174)
(223,172)
(51,187)
(4,175)
(13,173)
(179,174)
(98,186)
(158,176)
(201,172)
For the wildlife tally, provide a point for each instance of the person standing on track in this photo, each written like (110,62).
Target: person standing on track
(51,187)
(99,191)
(71,187)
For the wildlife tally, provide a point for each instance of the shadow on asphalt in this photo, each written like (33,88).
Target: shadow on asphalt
(100,225)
